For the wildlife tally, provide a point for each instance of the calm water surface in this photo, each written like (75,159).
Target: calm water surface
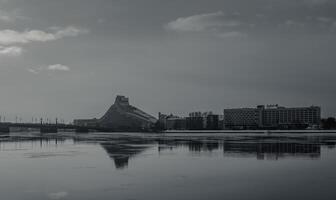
(175,166)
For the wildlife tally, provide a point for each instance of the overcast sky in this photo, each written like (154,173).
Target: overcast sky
(70,58)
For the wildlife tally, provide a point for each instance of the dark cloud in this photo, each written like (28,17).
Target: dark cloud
(169,56)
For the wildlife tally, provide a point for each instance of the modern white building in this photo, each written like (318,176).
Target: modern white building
(290,117)
(272,116)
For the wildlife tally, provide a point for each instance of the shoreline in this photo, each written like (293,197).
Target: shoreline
(250,131)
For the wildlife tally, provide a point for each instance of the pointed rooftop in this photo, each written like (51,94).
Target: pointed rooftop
(123,116)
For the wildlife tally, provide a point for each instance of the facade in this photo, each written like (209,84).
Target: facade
(86,122)
(220,122)
(171,122)
(121,116)
(212,122)
(163,121)
(288,118)
(203,121)
(195,121)
(242,118)
(176,123)
(272,117)
(124,117)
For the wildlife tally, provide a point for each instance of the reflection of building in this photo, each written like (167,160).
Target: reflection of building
(272,150)
(258,147)
(121,153)
(122,117)
(272,117)
(194,145)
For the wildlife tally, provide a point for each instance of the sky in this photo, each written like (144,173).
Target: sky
(70,58)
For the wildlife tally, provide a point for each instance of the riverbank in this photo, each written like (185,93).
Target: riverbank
(251,131)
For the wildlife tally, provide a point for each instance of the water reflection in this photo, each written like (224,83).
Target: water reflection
(121,153)
(17,143)
(273,151)
(270,148)
(121,149)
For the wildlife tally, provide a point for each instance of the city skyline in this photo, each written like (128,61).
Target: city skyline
(50,119)
(167,56)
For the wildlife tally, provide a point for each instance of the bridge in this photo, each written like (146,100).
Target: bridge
(5,127)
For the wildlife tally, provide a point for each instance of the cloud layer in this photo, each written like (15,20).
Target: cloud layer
(202,22)
(216,23)
(58,67)
(260,51)
(11,51)
(54,68)
(8,37)
(236,24)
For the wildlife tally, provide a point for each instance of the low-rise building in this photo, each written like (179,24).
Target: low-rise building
(172,122)
(86,122)
(203,121)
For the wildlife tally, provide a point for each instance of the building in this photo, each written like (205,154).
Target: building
(86,122)
(291,118)
(212,122)
(172,122)
(203,121)
(242,118)
(272,117)
(125,117)
(121,116)
(220,122)
(195,123)
(176,123)
(163,121)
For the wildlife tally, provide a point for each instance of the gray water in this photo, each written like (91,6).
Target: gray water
(174,166)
